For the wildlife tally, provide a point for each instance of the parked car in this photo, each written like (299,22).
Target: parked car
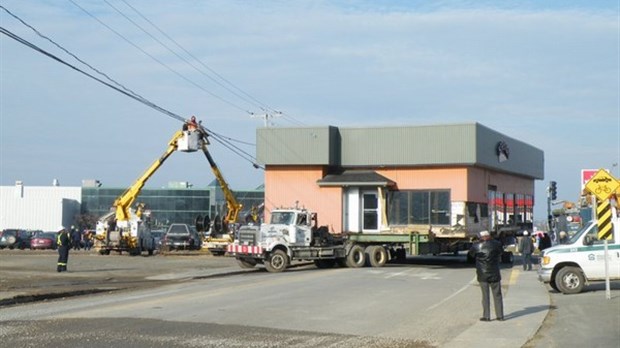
(15,238)
(181,237)
(43,240)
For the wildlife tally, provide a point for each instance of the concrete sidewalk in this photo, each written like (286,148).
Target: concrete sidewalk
(526,304)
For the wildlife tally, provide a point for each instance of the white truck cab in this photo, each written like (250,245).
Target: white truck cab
(568,267)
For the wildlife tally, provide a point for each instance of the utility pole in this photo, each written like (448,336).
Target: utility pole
(266,116)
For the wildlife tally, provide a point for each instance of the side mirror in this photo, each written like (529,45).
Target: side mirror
(587,240)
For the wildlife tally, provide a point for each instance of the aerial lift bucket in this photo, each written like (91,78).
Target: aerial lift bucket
(189,142)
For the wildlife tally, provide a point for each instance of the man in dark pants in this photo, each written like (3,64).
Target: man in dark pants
(64,244)
(488,253)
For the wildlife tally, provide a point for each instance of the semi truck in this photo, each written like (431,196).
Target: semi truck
(293,234)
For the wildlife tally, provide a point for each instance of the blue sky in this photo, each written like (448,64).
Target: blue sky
(544,72)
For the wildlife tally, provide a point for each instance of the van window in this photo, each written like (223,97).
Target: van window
(593,234)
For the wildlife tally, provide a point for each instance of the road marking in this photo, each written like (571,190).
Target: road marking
(513,277)
(471,282)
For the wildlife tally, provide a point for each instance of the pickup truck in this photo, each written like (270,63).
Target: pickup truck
(569,267)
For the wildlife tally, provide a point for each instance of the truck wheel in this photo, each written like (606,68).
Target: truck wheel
(553,286)
(570,280)
(377,255)
(246,263)
(278,261)
(325,263)
(356,257)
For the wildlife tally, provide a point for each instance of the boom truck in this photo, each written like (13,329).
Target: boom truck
(294,234)
(126,229)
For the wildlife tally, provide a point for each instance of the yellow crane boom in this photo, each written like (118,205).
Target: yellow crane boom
(123,203)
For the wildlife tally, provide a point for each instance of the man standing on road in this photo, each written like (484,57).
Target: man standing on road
(526,248)
(488,253)
(64,244)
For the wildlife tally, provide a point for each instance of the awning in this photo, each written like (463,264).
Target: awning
(355,178)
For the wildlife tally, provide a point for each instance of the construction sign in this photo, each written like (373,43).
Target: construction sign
(602,185)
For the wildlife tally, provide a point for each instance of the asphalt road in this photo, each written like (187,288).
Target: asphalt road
(179,300)
(586,319)
(414,305)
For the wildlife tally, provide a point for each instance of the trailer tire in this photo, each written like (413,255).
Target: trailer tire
(278,261)
(325,263)
(570,280)
(246,263)
(356,257)
(377,255)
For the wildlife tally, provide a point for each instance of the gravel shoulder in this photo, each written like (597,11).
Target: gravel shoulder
(30,275)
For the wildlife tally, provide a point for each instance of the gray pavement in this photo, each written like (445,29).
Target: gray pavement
(526,304)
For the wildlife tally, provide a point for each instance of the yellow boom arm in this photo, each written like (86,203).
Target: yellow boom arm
(233,206)
(124,201)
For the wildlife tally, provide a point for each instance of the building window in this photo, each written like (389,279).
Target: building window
(419,207)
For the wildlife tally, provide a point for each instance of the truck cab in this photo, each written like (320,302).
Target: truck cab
(569,267)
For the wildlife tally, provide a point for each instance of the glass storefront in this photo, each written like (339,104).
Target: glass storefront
(168,205)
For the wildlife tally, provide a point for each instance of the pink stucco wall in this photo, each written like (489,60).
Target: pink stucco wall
(286,185)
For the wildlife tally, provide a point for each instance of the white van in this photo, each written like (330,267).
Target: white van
(568,267)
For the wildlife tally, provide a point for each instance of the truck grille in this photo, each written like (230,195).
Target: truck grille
(248,236)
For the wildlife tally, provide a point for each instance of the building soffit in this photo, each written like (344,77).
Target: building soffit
(361,178)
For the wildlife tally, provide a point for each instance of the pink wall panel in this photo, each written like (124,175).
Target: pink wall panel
(286,185)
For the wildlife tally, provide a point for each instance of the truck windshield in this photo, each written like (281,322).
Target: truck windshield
(282,218)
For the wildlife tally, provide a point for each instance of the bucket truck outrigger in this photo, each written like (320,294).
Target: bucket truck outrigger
(124,228)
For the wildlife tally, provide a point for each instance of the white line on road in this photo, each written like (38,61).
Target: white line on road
(451,296)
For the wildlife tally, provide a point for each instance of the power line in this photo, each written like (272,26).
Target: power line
(157,60)
(72,55)
(263,105)
(266,108)
(42,51)
(142,100)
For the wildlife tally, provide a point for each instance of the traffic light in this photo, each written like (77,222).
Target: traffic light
(553,190)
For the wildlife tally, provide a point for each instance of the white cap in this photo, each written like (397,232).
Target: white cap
(60,228)
(484,233)
(526,233)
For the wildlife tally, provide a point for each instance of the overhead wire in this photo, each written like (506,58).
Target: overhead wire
(262,105)
(131,95)
(157,60)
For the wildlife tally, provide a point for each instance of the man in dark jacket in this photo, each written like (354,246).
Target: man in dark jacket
(488,253)
(64,244)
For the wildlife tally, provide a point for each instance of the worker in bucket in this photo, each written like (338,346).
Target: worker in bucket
(64,244)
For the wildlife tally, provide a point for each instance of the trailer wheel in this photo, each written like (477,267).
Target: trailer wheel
(356,257)
(570,280)
(325,263)
(377,255)
(246,263)
(278,261)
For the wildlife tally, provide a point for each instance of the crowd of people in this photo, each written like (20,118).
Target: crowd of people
(81,239)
